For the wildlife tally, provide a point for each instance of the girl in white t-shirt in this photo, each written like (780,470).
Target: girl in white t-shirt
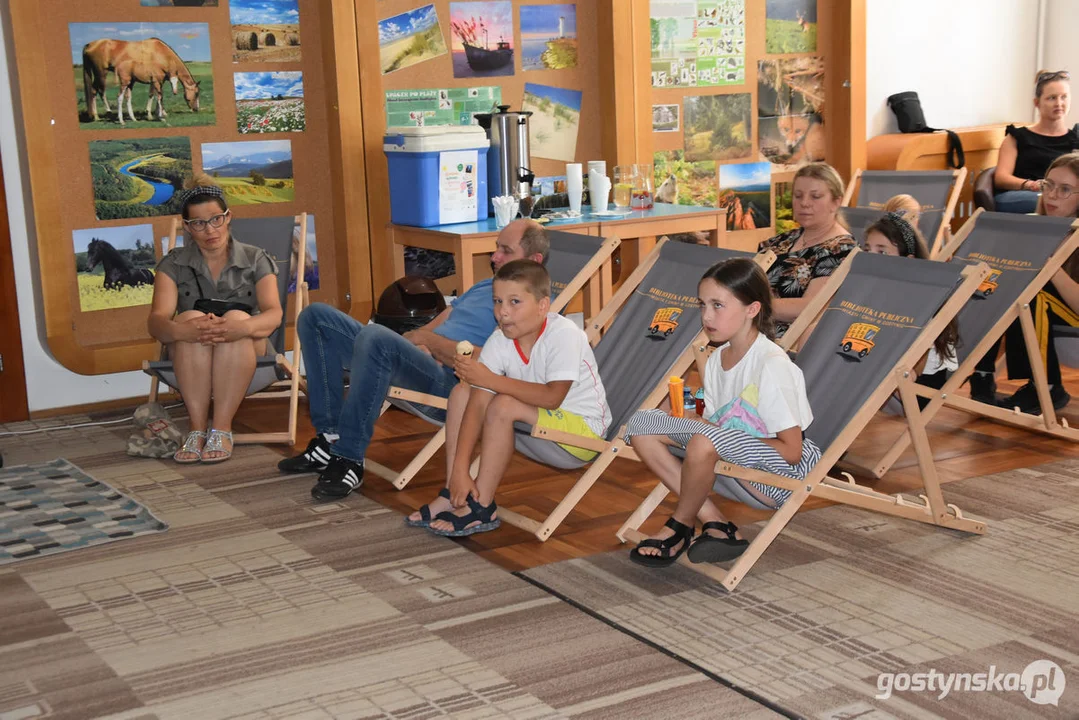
(755,410)
(893,235)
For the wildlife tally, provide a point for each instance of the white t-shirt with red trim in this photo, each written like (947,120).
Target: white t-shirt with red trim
(561,352)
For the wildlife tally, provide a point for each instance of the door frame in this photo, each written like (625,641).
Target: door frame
(13,400)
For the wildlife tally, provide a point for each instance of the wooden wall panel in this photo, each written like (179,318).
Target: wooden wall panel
(597,117)
(58,149)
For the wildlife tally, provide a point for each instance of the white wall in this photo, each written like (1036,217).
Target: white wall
(48,384)
(970,61)
(1061,51)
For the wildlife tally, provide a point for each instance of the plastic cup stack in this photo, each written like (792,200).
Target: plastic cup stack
(505,209)
(575,186)
(600,190)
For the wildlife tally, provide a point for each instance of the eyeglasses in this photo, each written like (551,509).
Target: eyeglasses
(1062,191)
(201,225)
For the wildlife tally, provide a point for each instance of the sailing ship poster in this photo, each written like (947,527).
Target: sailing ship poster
(482,38)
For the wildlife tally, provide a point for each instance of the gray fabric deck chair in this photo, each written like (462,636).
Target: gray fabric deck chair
(936,190)
(875,319)
(654,324)
(273,370)
(576,263)
(1023,252)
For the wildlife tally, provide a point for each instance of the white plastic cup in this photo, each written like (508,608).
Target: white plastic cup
(574,171)
(575,194)
(598,167)
(600,190)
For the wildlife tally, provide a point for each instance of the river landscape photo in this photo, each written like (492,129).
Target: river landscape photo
(138,177)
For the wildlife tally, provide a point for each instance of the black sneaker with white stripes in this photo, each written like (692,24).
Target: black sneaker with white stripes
(338,480)
(314,459)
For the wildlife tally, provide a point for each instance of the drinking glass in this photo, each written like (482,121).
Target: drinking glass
(623,184)
(641,198)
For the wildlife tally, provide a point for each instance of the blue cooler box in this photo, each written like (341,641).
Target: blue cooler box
(438,175)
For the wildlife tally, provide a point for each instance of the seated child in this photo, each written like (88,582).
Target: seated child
(906,206)
(537,368)
(756,408)
(892,234)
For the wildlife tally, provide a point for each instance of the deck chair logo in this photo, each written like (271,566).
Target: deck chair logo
(858,341)
(989,285)
(664,322)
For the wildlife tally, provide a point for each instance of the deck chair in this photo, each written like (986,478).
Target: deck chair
(936,190)
(1023,251)
(274,374)
(858,219)
(575,263)
(653,326)
(905,305)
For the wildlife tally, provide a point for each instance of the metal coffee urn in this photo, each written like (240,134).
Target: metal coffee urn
(508,160)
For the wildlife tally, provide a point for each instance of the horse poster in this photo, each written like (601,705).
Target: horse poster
(268,102)
(138,177)
(113,266)
(142,75)
(251,172)
(265,31)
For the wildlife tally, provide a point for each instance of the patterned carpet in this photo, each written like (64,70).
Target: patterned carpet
(258,603)
(845,595)
(52,507)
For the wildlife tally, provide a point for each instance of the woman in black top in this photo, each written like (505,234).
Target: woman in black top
(1027,152)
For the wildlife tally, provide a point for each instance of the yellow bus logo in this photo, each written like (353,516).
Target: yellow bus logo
(665,321)
(859,339)
(989,285)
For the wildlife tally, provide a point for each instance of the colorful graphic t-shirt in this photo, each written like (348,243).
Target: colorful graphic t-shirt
(761,395)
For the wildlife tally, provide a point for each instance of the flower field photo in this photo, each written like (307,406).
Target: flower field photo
(269,102)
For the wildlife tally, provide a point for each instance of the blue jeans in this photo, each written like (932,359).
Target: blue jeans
(376,358)
(1016,201)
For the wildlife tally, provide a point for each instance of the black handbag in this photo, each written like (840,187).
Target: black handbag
(908,114)
(216,307)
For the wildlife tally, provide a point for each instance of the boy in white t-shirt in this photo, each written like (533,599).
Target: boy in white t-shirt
(536,368)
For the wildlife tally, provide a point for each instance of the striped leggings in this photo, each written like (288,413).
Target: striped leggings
(733,446)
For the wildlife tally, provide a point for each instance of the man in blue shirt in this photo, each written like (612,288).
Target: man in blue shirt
(377,358)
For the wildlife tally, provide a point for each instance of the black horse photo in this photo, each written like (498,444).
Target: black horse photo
(118,272)
(114,267)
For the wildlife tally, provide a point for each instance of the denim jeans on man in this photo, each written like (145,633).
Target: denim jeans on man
(377,358)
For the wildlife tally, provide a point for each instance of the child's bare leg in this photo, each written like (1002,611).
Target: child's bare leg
(455,410)
(652,449)
(496,449)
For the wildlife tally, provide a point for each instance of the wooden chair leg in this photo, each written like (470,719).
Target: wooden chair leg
(420,460)
(644,510)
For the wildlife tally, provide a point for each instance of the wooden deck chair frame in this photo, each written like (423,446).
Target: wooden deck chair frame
(958,178)
(591,278)
(1047,422)
(930,506)
(290,387)
(608,451)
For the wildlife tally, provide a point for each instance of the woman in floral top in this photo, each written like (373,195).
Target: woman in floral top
(807,255)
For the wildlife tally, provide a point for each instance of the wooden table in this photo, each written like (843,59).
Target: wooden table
(638,230)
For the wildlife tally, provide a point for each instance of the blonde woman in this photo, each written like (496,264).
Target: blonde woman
(1026,153)
(807,255)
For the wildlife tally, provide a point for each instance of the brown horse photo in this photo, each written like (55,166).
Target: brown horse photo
(140,69)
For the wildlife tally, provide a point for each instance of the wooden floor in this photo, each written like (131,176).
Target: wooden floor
(963,446)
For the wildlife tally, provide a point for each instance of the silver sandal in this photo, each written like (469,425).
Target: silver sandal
(191,445)
(216,443)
